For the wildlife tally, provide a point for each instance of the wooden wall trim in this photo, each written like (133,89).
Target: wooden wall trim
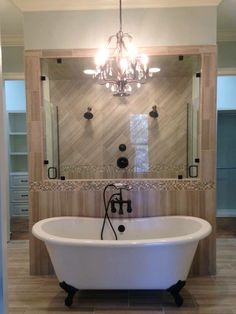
(167,50)
(34,118)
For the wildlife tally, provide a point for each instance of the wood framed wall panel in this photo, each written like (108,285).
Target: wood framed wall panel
(145,203)
(166,50)
(208,160)
(32,73)
(41,264)
(209,71)
(35,165)
(33,53)
(34,117)
(77,53)
(34,215)
(208,117)
(209,130)
(35,109)
(154,202)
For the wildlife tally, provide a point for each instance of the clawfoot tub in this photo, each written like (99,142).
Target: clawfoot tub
(150,253)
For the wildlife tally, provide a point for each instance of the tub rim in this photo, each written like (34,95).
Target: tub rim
(203,232)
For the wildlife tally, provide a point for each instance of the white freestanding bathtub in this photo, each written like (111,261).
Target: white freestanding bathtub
(152,253)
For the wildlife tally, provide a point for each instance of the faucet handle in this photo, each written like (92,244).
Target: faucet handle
(129,208)
(113,207)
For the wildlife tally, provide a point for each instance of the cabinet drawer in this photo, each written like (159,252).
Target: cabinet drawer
(19,181)
(19,209)
(19,195)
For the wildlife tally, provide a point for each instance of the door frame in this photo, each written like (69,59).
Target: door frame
(3,192)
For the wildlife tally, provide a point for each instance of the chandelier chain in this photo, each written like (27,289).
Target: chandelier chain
(120,17)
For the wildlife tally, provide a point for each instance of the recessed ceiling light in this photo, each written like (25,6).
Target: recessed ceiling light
(89,72)
(154,70)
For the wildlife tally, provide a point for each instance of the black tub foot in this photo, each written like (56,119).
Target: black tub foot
(71,292)
(174,291)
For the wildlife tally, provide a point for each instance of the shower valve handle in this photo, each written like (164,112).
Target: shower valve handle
(129,208)
(113,207)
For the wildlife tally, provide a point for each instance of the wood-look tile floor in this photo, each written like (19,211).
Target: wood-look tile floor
(40,295)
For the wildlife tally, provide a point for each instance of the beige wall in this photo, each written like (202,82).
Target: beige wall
(227,54)
(149,27)
(13,59)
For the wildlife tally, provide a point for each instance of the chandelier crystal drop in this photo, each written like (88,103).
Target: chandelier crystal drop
(121,67)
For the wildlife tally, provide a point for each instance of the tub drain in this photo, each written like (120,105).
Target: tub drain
(121,228)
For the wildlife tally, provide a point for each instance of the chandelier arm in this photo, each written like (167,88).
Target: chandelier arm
(142,81)
(118,43)
(128,35)
(122,44)
(110,39)
(109,81)
(125,35)
(108,43)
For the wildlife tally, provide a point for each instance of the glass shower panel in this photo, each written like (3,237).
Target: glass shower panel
(192,129)
(51,135)
(156,147)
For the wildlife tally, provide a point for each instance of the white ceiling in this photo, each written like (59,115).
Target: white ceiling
(12,20)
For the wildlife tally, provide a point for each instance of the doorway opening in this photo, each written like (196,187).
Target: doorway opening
(15,102)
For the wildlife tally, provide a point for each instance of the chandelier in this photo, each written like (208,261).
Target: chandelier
(120,67)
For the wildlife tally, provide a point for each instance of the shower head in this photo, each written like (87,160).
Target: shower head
(154,114)
(122,186)
(88,115)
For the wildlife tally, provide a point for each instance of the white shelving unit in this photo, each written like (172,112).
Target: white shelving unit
(18,168)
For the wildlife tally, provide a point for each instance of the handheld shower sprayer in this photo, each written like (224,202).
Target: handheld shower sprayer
(115,199)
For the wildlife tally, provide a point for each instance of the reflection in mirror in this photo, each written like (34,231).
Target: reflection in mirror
(158,123)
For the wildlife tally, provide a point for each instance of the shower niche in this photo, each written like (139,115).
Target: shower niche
(90,134)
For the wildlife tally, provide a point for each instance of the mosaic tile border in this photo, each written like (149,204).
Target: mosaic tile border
(137,185)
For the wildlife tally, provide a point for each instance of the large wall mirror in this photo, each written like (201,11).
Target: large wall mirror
(153,133)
